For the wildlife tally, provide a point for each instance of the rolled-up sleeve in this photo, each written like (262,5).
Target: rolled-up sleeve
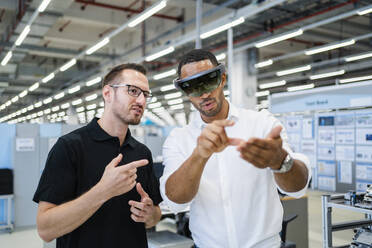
(298,156)
(173,157)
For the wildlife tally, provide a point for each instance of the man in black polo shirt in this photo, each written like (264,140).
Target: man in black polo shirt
(98,188)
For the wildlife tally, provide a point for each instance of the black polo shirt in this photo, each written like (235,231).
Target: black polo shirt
(75,164)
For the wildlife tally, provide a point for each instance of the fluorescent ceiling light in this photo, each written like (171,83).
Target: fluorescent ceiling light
(38,104)
(34,87)
(160,54)
(24,110)
(14,99)
(158,110)
(178,106)
(272,85)
(173,95)
(48,78)
(329,47)
(226,92)
(8,103)
(358,57)
(153,99)
(68,65)
(74,89)
(40,113)
(262,93)
(91,97)
(301,87)
(76,102)
(222,28)
(175,101)
(48,100)
(93,81)
(47,111)
(59,95)
(366,11)
(23,93)
(91,106)
(55,108)
(147,14)
(349,80)
(221,56)
(23,35)
(294,70)
(6,58)
(154,105)
(279,38)
(168,87)
(31,107)
(328,74)
(264,63)
(65,105)
(43,5)
(165,74)
(97,46)
(80,109)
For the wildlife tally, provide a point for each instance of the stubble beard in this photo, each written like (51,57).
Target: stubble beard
(212,112)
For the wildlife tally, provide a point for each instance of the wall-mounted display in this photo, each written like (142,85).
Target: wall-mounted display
(326,152)
(345,153)
(364,154)
(326,136)
(308,128)
(293,124)
(345,172)
(345,136)
(326,121)
(326,168)
(364,120)
(327,183)
(345,120)
(364,136)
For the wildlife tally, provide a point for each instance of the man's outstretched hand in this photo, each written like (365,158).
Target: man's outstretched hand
(263,153)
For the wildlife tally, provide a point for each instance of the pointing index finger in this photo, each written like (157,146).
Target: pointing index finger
(134,164)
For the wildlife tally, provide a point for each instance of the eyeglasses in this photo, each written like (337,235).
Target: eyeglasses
(200,83)
(134,91)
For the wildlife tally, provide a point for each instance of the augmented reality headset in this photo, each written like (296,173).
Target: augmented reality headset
(202,82)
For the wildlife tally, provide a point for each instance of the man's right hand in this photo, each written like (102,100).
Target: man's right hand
(213,138)
(119,180)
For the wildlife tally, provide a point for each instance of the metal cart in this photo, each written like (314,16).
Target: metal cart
(337,201)
(8,213)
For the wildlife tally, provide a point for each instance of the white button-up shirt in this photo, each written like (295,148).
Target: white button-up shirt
(237,205)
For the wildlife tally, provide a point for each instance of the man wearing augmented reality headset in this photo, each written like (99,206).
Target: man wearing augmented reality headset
(228,164)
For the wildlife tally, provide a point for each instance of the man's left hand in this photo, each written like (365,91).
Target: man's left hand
(264,153)
(144,210)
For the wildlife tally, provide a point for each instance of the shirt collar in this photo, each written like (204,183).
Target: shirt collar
(233,114)
(99,134)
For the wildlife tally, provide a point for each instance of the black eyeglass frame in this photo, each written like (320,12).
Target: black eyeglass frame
(146,94)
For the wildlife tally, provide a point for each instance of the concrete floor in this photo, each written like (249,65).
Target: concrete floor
(29,238)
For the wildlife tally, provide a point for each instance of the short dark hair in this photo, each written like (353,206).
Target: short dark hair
(119,68)
(195,56)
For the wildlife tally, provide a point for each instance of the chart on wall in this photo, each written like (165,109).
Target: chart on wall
(345,149)
(363,153)
(326,151)
(293,126)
